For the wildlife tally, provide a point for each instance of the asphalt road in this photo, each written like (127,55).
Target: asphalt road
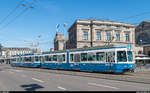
(23,80)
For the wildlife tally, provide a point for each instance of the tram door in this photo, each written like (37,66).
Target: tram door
(110,60)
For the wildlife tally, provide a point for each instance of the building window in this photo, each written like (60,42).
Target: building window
(98,36)
(127,36)
(108,36)
(117,36)
(85,35)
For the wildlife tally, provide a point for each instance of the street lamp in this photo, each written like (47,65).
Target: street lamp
(64,25)
(140,42)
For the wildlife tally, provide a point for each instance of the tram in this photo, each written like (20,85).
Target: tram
(112,59)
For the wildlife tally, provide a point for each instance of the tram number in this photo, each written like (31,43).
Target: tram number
(108,64)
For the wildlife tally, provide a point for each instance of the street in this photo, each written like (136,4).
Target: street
(23,80)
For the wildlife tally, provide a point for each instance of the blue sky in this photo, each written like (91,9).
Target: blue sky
(42,19)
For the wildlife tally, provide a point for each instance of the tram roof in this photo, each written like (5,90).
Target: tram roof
(85,49)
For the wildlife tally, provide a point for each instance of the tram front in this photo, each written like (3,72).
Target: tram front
(125,62)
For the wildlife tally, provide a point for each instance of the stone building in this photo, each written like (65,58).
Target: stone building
(59,42)
(8,52)
(142,36)
(91,33)
(142,33)
(142,39)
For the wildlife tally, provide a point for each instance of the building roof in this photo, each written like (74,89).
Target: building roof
(59,37)
(146,21)
(100,21)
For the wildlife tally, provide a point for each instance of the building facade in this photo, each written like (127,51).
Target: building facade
(8,52)
(142,33)
(59,42)
(91,33)
(142,39)
(142,36)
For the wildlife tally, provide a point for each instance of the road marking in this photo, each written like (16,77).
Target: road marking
(61,88)
(11,72)
(38,80)
(94,84)
(18,70)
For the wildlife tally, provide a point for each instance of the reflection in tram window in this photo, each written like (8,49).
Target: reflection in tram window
(110,56)
(18,60)
(130,57)
(91,56)
(64,57)
(27,59)
(41,58)
(83,56)
(100,56)
(14,59)
(37,58)
(71,57)
(54,57)
(121,56)
(60,58)
(48,58)
(76,57)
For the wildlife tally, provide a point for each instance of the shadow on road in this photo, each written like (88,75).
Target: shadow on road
(31,87)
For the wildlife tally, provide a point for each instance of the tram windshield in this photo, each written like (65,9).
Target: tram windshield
(121,56)
(130,57)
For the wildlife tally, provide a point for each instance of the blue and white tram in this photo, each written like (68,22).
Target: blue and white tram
(27,61)
(15,61)
(55,60)
(114,59)
(102,60)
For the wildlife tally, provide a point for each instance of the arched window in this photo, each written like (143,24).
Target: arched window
(85,46)
(139,52)
(149,53)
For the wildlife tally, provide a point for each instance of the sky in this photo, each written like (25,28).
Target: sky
(24,24)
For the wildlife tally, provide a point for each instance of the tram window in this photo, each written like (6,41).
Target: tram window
(64,57)
(76,57)
(32,59)
(121,56)
(60,58)
(41,58)
(14,59)
(110,56)
(54,57)
(130,57)
(83,56)
(27,59)
(100,56)
(71,57)
(22,59)
(17,60)
(48,58)
(91,56)
(37,58)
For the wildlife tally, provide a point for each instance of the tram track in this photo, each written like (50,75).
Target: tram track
(128,77)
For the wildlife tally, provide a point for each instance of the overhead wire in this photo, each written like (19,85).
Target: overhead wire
(6,17)
(141,14)
(21,13)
